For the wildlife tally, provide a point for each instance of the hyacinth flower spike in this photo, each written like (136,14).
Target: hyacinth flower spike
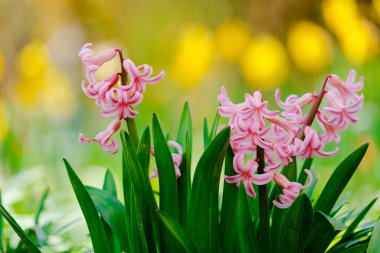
(177,159)
(291,189)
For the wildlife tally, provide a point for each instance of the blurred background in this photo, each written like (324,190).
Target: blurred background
(202,45)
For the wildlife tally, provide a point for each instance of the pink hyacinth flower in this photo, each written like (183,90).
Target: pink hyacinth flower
(247,173)
(177,159)
(313,145)
(291,189)
(140,76)
(346,89)
(85,55)
(120,102)
(103,137)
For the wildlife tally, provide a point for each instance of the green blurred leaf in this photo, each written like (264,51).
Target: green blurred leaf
(296,222)
(97,234)
(245,233)
(1,228)
(374,243)
(228,210)
(168,183)
(339,180)
(143,150)
(350,229)
(202,223)
(112,211)
(205,134)
(178,232)
(214,127)
(185,128)
(19,231)
(41,206)
(361,248)
(322,231)
(109,184)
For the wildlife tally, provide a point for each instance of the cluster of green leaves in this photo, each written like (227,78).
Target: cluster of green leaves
(188,218)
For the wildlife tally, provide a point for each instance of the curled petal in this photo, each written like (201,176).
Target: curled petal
(85,54)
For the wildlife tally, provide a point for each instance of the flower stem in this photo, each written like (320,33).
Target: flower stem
(131,123)
(314,110)
(264,225)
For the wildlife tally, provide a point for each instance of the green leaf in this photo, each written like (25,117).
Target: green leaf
(202,223)
(109,185)
(112,211)
(350,229)
(19,231)
(228,211)
(339,180)
(178,232)
(138,222)
(168,183)
(214,127)
(136,182)
(1,228)
(296,222)
(41,206)
(322,231)
(205,134)
(143,150)
(97,234)
(374,243)
(361,248)
(244,227)
(185,128)
(306,165)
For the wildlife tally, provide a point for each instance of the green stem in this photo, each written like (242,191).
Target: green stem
(264,226)
(132,129)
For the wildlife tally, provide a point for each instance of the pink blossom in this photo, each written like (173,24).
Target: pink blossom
(313,145)
(140,76)
(85,54)
(291,189)
(346,89)
(247,173)
(103,137)
(177,159)
(118,102)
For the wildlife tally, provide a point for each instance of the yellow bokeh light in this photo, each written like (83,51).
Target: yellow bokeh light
(231,39)
(264,64)
(339,14)
(193,56)
(33,59)
(310,46)
(4,123)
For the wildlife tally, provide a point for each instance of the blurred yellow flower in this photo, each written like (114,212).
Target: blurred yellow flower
(231,39)
(264,63)
(193,56)
(310,46)
(4,124)
(356,35)
(1,66)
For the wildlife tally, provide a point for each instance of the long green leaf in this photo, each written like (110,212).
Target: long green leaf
(135,181)
(306,165)
(19,231)
(185,128)
(112,211)
(296,222)
(350,229)
(228,211)
(1,227)
(168,183)
(214,127)
(143,150)
(41,206)
(374,244)
(97,234)
(339,180)
(322,231)
(178,232)
(109,185)
(244,227)
(202,223)
(205,134)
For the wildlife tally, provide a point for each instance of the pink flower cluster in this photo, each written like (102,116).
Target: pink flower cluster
(286,134)
(177,159)
(115,96)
